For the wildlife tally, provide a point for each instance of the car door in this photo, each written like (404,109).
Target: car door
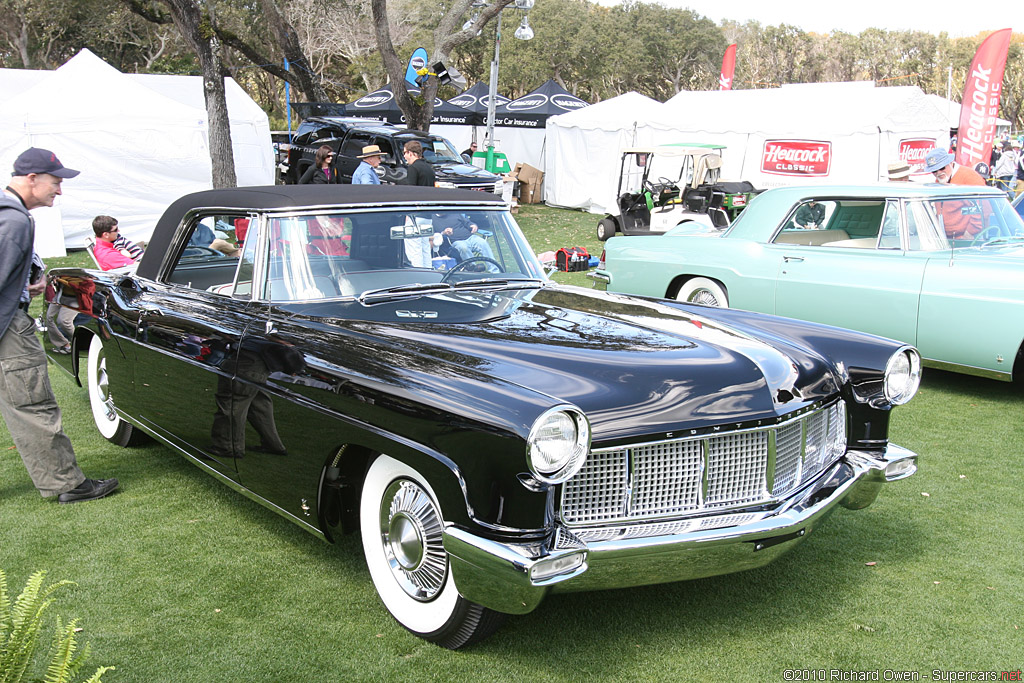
(190,324)
(855,272)
(348,155)
(277,378)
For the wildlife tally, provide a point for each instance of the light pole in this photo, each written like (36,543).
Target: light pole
(524,32)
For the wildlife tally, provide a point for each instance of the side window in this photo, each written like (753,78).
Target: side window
(387,148)
(209,258)
(309,257)
(923,231)
(890,237)
(354,144)
(809,224)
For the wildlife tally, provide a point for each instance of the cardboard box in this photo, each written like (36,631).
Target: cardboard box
(531,183)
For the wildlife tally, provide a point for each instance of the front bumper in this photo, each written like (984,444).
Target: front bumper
(514,578)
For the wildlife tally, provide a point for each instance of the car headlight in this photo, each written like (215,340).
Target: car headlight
(558,444)
(902,376)
(445,184)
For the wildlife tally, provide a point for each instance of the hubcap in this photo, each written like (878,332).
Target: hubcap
(411,535)
(103,387)
(704,297)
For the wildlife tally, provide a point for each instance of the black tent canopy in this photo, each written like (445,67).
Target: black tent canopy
(380,105)
(475,99)
(533,109)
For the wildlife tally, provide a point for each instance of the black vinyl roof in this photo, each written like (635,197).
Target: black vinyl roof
(283,197)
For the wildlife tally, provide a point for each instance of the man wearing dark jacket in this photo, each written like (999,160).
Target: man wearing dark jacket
(420,172)
(26,399)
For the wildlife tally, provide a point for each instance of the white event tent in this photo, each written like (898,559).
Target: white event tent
(140,142)
(581,168)
(797,134)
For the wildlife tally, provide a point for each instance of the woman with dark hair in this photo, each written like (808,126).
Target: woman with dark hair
(321,172)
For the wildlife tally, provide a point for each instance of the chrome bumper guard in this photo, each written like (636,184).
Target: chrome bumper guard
(600,279)
(514,578)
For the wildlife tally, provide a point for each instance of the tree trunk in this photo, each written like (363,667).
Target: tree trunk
(417,115)
(197,29)
(306,79)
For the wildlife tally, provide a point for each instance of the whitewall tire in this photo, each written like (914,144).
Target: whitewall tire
(703,291)
(109,424)
(401,526)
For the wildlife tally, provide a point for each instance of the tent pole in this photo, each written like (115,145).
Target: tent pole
(288,103)
(493,94)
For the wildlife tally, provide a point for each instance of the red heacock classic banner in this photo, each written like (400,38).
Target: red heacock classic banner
(980,104)
(728,68)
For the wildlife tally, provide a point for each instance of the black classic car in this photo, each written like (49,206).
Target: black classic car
(348,135)
(395,361)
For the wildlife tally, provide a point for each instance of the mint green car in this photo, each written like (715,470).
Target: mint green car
(937,266)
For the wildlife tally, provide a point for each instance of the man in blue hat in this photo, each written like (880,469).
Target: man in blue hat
(26,399)
(959,219)
(940,163)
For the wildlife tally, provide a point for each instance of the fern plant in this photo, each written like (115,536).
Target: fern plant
(21,625)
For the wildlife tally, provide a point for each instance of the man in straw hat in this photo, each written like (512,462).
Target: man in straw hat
(899,171)
(365,173)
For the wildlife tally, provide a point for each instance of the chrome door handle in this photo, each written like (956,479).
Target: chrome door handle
(787,259)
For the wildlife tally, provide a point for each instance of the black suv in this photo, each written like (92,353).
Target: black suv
(347,136)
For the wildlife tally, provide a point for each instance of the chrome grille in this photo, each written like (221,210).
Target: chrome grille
(683,477)
(668,477)
(789,441)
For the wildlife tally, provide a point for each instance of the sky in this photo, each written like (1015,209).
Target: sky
(853,17)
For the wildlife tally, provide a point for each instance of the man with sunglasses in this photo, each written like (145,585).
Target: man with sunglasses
(27,403)
(107,255)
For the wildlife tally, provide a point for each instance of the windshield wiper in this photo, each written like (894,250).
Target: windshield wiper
(500,283)
(414,291)
(400,292)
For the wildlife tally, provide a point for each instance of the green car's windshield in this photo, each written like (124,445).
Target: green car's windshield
(962,223)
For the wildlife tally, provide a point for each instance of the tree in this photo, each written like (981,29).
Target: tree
(198,28)
(446,37)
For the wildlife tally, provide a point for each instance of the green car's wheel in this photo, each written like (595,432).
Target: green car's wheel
(401,528)
(703,291)
(605,229)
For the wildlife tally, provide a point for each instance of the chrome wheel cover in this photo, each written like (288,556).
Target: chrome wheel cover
(411,534)
(704,297)
(103,387)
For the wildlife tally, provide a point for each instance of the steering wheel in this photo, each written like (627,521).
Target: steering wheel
(990,233)
(199,252)
(462,264)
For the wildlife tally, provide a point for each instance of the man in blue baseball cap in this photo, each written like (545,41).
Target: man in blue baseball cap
(26,399)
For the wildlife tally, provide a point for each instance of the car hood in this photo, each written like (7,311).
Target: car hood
(455,170)
(633,366)
(1008,251)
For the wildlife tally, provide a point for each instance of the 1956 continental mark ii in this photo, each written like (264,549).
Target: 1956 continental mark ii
(394,360)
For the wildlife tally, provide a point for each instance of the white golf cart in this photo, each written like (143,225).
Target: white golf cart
(665,185)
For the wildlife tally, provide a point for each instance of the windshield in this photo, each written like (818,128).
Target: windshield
(439,151)
(361,254)
(961,223)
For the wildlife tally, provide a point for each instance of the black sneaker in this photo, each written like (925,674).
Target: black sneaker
(90,489)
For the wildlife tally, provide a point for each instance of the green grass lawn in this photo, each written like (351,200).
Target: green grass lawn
(181,579)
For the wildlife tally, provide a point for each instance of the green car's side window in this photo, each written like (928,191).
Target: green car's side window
(890,237)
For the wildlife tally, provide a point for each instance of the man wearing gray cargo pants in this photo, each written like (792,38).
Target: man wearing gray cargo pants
(26,399)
